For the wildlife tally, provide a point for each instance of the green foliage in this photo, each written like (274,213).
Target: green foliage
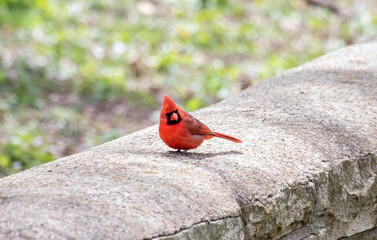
(25,149)
(102,89)
(25,84)
(110,135)
(20,13)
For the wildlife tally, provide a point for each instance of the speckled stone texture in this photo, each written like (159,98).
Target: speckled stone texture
(306,170)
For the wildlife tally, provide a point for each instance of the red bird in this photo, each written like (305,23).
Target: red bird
(179,130)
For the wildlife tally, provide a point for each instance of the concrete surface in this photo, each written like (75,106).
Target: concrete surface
(306,170)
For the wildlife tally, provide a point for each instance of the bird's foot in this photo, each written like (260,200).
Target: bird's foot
(183,151)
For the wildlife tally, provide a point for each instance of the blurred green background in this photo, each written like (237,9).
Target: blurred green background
(74,74)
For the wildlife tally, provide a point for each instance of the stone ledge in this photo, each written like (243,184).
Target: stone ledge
(306,169)
(228,228)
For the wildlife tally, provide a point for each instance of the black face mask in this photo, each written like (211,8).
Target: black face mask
(172,122)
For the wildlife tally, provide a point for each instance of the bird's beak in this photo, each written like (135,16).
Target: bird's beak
(174,117)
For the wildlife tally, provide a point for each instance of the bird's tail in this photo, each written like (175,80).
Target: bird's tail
(220,135)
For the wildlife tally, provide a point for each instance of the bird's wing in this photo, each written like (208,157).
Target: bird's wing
(196,127)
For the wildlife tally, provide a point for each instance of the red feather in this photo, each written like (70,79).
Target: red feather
(180,130)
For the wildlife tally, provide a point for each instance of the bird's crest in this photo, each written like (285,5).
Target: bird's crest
(168,105)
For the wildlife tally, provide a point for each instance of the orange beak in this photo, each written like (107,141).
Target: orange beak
(174,117)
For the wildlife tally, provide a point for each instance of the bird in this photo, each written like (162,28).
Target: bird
(180,130)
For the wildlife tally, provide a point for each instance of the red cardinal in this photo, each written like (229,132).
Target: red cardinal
(179,130)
